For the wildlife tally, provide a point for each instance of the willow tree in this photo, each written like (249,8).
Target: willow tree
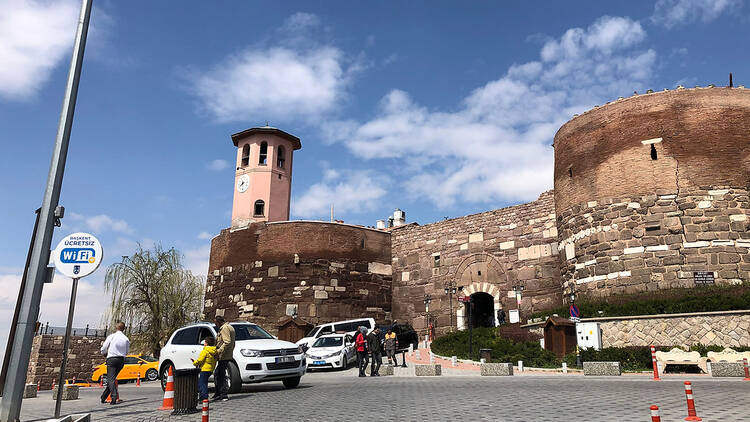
(153,294)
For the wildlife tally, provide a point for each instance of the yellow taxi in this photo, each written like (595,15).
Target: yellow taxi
(135,365)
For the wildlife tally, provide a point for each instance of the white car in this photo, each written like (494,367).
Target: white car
(258,356)
(331,351)
(349,326)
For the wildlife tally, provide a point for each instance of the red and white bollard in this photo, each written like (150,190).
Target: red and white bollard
(692,415)
(53,383)
(656,366)
(204,414)
(138,380)
(74,379)
(655,414)
(101,382)
(37,386)
(747,370)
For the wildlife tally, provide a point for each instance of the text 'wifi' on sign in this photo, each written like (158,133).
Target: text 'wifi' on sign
(77,255)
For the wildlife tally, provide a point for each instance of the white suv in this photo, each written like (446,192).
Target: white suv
(258,356)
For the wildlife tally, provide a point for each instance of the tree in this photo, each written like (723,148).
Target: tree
(153,295)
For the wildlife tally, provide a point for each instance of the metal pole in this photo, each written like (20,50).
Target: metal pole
(10,406)
(12,333)
(450,301)
(471,325)
(66,344)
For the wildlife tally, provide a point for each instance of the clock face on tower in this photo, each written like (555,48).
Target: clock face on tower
(243,182)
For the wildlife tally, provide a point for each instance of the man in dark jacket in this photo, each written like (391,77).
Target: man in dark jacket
(376,349)
(360,342)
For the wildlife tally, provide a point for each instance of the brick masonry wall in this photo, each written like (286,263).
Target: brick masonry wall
(722,330)
(342,272)
(628,222)
(487,252)
(46,359)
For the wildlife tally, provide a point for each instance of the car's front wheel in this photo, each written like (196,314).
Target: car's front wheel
(291,382)
(152,374)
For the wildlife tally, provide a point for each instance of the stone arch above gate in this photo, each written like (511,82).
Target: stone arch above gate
(480,272)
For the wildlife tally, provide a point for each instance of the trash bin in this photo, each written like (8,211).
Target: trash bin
(185,391)
(485,354)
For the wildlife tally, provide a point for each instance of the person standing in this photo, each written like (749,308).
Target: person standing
(360,342)
(373,342)
(116,347)
(391,344)
(224,352)
(207,363)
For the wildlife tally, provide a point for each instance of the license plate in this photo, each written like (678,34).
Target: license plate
(319,362)
(285,359)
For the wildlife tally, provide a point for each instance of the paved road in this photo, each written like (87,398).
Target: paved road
(343,396)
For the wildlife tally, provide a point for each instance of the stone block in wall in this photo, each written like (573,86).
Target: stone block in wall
(476,237)
(428,370)
(29,391)
(70,392)
(273,271)
(602,369)
(378,268)
(321,294)
(727,369)
(496,369)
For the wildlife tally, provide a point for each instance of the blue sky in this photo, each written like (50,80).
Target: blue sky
(440,108)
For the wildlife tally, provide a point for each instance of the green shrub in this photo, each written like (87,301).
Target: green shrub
(502,349)
(672,301)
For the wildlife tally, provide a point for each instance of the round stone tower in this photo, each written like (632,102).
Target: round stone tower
(651,192)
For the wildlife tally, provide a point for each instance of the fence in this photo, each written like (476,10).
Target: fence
(86,331)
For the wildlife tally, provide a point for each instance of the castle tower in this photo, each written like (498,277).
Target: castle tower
(263,179)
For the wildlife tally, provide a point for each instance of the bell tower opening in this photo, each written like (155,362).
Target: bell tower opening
(483,311)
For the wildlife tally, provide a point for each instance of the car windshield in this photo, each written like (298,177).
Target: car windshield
(328,342)
(250,332)
(313,332)
(149,358)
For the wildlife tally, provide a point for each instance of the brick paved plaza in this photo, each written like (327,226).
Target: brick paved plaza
(456,395)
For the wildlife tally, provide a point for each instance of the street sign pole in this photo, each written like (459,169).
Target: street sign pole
(66,344)
(10,406)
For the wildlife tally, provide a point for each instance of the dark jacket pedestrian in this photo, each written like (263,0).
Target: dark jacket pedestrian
(116,347)
(360,342)
(224,353)
(373,342)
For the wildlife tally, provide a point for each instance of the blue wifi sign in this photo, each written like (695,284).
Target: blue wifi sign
(78,255)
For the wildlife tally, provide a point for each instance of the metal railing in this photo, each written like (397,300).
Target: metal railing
(75,331)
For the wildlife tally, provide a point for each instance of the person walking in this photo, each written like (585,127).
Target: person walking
(391,344)
(207,363)
(223,354)
(360,342)
(116,347)
(376,349)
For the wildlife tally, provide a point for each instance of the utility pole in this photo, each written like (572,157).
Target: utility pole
(10,406)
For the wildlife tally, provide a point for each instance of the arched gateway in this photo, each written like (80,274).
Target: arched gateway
(482,277)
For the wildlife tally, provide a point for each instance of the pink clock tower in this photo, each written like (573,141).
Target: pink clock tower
(263,179)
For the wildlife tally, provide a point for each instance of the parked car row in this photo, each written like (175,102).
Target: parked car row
(258,356)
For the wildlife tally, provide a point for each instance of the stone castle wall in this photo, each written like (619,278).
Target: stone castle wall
(488,252)
(324,271)
(653,189)
(46,359)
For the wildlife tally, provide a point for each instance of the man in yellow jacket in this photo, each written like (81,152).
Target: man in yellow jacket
(207,363)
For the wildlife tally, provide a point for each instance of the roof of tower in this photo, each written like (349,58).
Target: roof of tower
(267,130)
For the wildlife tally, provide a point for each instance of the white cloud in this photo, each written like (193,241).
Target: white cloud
(34,37)
(495,145)
(349,191)
(100,223)
(196,260)
(204,235)
(217,165)
(297,78)
(671,13)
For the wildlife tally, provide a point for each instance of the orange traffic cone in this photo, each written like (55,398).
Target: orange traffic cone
(138,380)
(168,403)
(101,382)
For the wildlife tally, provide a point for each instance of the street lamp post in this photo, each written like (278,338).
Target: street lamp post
(451,290)
(427,300)
(578,351)
(518,288)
